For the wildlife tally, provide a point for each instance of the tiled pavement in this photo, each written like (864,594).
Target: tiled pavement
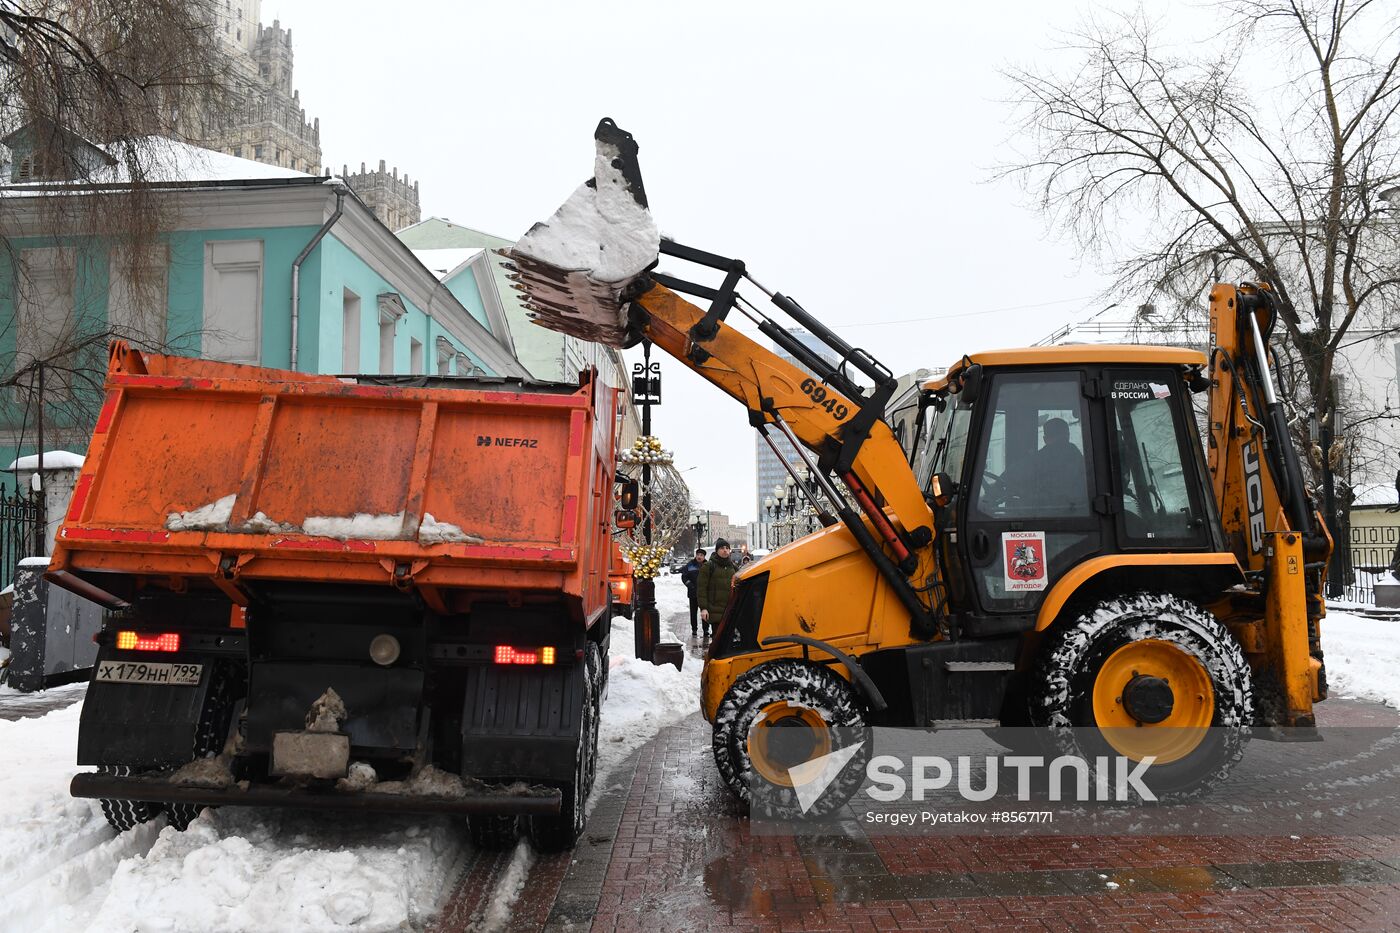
(667,849)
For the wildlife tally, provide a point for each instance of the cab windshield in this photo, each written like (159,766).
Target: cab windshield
(944,442)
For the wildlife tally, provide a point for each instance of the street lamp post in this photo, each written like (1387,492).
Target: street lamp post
(768,525)
(646,391)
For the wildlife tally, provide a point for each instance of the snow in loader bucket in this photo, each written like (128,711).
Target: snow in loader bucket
(579,268)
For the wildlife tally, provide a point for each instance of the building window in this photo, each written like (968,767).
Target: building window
(415,356)
(390,310)
(47,322)
(350,338)
(233,300)
(136,299)
(465,366)
(445,354)
(257,152)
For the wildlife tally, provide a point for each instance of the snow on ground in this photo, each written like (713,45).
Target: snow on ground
(1363,656)
(644,698)
(267,870)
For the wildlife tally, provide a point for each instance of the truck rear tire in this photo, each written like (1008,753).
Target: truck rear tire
(559,833)
(493,833)
(209,738)
(125,814)
(1148,674)
(788,692)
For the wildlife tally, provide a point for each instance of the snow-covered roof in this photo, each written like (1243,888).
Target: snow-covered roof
(1373,494)
(443,262)
(53,460)
(441,233)
(169,160)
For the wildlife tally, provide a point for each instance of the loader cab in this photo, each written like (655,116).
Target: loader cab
(1038,460)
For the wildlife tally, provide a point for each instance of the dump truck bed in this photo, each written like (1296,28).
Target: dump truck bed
(242,478)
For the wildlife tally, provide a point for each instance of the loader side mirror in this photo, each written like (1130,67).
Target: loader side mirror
(971,384)
(629,495)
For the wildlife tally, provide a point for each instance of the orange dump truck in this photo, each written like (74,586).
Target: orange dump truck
(377,593)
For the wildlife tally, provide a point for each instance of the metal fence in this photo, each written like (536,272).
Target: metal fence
(1371,549)
(21,530)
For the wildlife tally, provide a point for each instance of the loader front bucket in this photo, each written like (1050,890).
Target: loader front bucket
(579,269)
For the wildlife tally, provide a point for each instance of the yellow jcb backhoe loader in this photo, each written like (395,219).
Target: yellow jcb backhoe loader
(1057,548)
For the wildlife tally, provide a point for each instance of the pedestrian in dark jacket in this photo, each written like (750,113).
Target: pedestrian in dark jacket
(690,575)
(713,586)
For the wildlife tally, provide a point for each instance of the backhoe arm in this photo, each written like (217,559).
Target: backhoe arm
(1265,511)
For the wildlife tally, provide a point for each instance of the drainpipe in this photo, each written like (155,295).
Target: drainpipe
(301,257)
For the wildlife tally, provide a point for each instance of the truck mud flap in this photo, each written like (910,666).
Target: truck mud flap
(141,725)
(522,723)
(537,801)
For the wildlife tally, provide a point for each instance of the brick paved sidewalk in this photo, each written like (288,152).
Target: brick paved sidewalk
(668,849)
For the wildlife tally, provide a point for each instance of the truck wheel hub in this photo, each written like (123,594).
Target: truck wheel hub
(1148,699)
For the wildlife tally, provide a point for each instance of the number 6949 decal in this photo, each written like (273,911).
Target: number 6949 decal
(817,393)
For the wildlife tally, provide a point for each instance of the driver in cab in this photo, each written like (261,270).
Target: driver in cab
(1059,479)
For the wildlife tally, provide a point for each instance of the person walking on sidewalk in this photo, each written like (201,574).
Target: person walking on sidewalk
(713,586)
(690,575)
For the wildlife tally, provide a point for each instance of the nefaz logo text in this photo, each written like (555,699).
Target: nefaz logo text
(486,440)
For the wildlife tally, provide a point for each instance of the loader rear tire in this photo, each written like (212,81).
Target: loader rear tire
(1148,674)
(818,714)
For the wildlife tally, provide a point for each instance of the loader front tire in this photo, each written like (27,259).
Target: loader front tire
(776,717)
(1147,675)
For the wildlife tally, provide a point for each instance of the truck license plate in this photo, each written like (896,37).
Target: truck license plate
(148,672)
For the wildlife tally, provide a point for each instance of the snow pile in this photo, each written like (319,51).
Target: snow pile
(205,772)
(326,713)
(643,698)
(601,229)
(1363,657)
(260,524)
(432,531)
(361,526)
(55,851)
(211,517)
(53,460)
(360,776)
(238,869)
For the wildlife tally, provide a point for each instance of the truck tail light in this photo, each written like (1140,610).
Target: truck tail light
(132,641)
(505,654)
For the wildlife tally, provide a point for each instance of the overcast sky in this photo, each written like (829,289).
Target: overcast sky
(845,151)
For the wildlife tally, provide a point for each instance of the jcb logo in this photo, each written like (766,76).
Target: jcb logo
(1254,496)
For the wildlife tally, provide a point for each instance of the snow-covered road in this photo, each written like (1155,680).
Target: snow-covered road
(64,869)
